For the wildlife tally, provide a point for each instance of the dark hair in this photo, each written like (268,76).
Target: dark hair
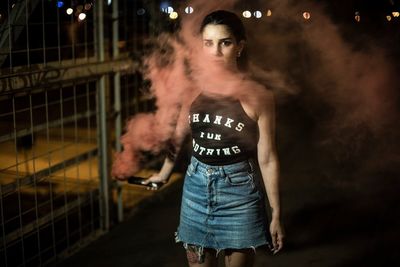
(235,26)
(227,18)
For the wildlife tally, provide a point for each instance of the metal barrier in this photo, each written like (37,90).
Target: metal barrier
(61,91)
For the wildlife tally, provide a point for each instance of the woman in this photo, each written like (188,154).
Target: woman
(233,158)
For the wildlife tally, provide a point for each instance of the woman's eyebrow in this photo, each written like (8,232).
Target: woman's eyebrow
(221,39)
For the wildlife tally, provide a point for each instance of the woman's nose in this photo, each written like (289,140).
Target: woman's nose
(217,50)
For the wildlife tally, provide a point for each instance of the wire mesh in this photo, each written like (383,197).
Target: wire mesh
(50,197)
(41,31)
(48,172)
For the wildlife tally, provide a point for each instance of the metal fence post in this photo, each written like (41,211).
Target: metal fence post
(102,124)
(117,100)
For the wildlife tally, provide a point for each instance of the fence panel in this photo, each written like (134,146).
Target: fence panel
(57,74)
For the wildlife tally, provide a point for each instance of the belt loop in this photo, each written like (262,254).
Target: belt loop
(251,164)
(222,171)
(195,163)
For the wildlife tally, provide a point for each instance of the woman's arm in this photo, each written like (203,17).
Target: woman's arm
(181,130)
(269,165)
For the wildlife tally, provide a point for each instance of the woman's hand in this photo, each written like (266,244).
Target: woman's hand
(156,178)
(163,175)
(277,234)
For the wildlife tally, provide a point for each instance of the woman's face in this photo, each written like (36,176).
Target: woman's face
(221,46)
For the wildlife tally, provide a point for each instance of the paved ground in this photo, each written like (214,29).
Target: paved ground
(327,224)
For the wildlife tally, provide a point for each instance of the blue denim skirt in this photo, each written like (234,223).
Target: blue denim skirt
(223,207)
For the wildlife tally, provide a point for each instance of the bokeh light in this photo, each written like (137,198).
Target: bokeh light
(164,5)
(141,11)
(82,16)
(246,14)
(69,11)
(257,14)
(173,15)
(269,13)
(306,15)
(357,16)
(189,10)
(88,6)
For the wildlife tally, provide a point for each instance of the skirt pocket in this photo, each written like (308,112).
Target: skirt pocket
(239,178)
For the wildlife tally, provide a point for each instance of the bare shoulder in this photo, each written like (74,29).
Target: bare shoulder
(259,97)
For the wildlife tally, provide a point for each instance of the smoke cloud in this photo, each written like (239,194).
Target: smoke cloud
(348,92)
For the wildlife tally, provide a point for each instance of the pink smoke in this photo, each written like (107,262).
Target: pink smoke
(362,91)
(356,84)
(151,132)
(172,87)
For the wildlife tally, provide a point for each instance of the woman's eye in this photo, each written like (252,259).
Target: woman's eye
(226,43)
